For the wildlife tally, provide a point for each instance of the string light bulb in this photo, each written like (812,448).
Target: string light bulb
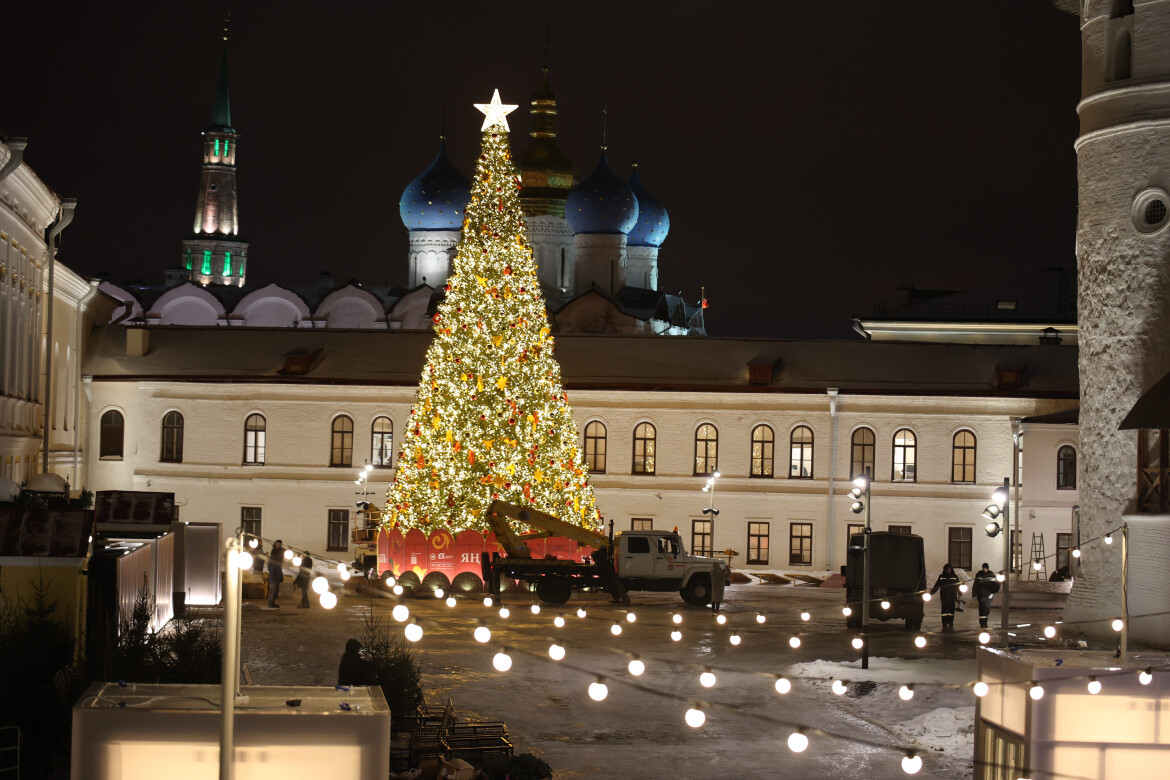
(858,643)
(487,601)
(288,554)
(906,692)
(1108,538)
(505,612)
(920,641)
(1037,565)
(984,637)
(631,617)
(885,604)
(297,560)
(980,689)
(535,609)
(677,619)
(616,629)
(400,612)
(676,635)
(911,763)
(1050,631)
(451,601)
(1076,553)
(244,560)
(760,617)
(438,593)
(721,619)
(636,667)
(253,542)
(598,690)
(926,596)
(388,580)
(839,687)
(398,591)
(734,639)
(707,679)
(783,685)
(502,661)
(963,588)
(328,599)
(797,742)
(846,611)
(413,632)
(556,652)
(482,634)
(1117,624)
(344,574)
(320,584)
(1000,578)
(1145,677)
(581,613)
(794,642)
(805,616)
(559,621)
(1036,692)
(695,717)
(1094,686)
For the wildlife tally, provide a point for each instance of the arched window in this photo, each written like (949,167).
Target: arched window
(595,447)
(341,453)
(172,438)
(112,435)
(706,449)
(763,445)
(1066,468)
(644,438)
(254,434)
(802,453)
(963,457)
(862,449)
(382,443)
(905,456)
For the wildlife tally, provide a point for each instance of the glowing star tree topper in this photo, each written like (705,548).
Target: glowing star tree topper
(491,419)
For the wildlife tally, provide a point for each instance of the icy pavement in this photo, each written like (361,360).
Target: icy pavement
(639,729)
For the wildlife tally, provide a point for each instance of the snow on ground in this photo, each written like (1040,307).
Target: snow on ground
(940,718)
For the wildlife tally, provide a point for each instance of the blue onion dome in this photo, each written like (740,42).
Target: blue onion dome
(437,198)
(602,203)
(653,221)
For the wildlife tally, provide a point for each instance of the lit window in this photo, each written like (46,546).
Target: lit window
(862,447)
(254,434)
(595,447)
(341,453)
(113,429)
(800,544)
(189,264)
(757,543)
(802,453)
(963,458)
(644,439)
(905,456)
(706,449)
(641,524)
(172,438)
(216,153)
(763,444)
(227,263)
(227,146)
(206,262)
(1066,468)
(382,450)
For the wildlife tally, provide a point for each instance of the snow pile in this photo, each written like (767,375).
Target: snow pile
(945,730)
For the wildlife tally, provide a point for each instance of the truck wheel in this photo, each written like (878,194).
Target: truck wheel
(697,591)
(553,590)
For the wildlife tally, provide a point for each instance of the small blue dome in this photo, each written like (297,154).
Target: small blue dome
(437,198)
(602,203)
(653,221)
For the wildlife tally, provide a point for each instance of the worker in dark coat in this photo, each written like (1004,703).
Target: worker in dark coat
(986,586)
(303,580)
(947,582)
(353,669)
(275,573)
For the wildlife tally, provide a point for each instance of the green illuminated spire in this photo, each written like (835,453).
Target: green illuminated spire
(221,116)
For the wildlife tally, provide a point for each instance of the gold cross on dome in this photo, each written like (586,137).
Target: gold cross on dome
(495,112)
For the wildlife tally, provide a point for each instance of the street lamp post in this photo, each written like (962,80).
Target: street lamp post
(999,521)
(710,509)
(861,503)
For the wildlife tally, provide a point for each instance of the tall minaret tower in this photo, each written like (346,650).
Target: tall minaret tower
(1123,269)
(214,253)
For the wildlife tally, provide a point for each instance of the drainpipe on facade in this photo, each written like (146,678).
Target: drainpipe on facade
(832,393)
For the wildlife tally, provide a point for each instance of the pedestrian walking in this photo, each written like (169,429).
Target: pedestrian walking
(353,669)
(275,573)
(303,579)
(986,586)
(948,583)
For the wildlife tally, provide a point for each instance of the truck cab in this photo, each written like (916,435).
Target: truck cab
(658,561)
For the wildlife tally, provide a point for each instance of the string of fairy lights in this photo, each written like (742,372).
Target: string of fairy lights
(737,626)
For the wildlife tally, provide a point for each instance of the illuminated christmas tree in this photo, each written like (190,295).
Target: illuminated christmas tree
(491,419)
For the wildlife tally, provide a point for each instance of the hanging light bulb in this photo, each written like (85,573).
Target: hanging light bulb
(1036,565)
(400,612)
(963,588)
(559,621)
(885,604)
(581,613)
(805,615)
(734,639)
(1050,631)
(906,692)
(535,609)
(502,661)
(677,619)
(797,742)
(505,612)
(341,567)
(707,678)
(631,617)
(920,641)
(1094,686)
(980,689)
(846,611)
(1145,677)
(636,667)
(1036,692)
(760,617)
(320,584)
(783,685)
(926,597)
(556,652)
(438,593)
(616,629)
(676,635)
(1108,538)
(1000,578)
(398,590)
(911,763)
(695,717)
(244,560)
(794,642)
(451,601)
(839,687)
(1076,553)
(253,542)
(344,574)
(487,601)
(598,690)
(388,580)
(984,637)
(1117,624)
(297,560)
(328,599)
(482,634)
(858,643)
(721,619)
(413,632)
(288,554)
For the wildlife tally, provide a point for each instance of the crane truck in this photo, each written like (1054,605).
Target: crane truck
(629,560)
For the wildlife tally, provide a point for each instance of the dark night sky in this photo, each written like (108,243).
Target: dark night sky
(812,156)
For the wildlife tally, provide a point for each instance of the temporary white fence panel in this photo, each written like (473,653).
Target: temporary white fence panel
(151,566)
(202,560)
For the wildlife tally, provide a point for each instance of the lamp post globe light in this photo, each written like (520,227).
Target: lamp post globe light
(710,510)
(998,516)
(860,498)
